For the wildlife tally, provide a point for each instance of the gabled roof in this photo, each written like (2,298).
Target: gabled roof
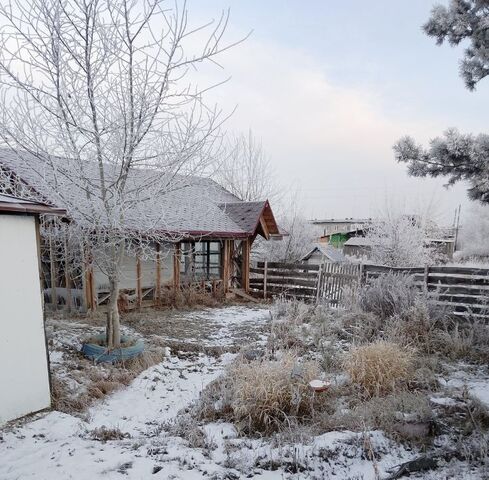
(12,204)
(192,206)
(253,217)
(334,254)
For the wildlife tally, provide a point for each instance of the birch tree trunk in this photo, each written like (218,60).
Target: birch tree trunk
(113,329)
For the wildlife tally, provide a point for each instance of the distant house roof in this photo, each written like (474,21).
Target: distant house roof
(334,254)
(192,206)
(358,242)
(340,220)
(10,204)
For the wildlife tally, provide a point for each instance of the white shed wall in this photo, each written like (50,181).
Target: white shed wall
(24,376)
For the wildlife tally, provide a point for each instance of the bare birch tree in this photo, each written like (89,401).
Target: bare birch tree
(99,92)
(246,170)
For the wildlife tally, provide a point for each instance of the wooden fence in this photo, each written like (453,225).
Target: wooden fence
(464,290)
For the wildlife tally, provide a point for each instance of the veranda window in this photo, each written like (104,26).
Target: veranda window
(201,260)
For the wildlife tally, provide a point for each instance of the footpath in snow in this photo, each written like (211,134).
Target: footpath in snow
(56,446)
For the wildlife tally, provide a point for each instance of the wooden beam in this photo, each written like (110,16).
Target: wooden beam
(67,274)
(226,257)
(264,227)
(52,269)
(139,289)
(176,266)
(244,295)
(245,265)
(231,264)
(158,273)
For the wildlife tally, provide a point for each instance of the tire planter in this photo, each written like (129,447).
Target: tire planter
(99,353)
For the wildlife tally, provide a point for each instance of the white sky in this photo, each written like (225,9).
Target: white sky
(329,89)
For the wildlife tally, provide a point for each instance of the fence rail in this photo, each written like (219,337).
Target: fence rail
(464,290)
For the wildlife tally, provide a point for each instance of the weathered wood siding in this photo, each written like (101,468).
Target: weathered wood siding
(129,271)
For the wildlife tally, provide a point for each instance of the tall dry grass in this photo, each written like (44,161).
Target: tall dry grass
(379,368)
(263,396)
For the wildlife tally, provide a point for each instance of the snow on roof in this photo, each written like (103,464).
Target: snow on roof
(358,242)
(192,205)
(342,220)
(8,203)
(334,254)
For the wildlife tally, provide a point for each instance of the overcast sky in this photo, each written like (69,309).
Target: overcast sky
(330,86)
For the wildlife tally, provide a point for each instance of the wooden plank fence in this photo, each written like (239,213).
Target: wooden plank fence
(464,290)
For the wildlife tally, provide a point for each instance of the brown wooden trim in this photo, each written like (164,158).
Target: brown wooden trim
(43,312)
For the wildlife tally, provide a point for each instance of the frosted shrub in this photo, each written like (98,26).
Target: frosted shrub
(387,295)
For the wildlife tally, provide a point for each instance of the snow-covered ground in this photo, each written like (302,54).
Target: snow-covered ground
(55,445)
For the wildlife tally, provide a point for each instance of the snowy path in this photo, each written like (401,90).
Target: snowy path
(59,446)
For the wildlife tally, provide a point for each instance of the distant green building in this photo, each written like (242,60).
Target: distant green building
(338,239)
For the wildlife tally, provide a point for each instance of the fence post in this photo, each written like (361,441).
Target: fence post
(361,274)
(265,274)
(319,282)
(425,277)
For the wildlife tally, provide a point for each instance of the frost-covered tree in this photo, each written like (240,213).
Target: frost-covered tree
(455,155)
(474,234)
(98,92)
(400,241)
(246,170)
(298,240)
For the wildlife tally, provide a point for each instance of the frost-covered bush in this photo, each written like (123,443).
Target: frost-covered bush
(475,232)
(387,295)
(400,241)
(379,368)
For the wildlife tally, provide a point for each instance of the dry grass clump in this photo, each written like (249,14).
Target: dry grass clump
(362,327)
(63,400)
(190,296)
(434,331)
(105,434)
(415,327)
(379,368)
(285,335)
(266,393)
(403,415)
(187,427)
(293,310)
(263,396)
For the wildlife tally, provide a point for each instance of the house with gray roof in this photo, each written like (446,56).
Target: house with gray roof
(208,237)
(324,253)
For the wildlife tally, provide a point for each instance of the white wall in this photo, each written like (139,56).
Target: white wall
(24,378)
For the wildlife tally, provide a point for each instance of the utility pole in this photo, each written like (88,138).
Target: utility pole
(457,226)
